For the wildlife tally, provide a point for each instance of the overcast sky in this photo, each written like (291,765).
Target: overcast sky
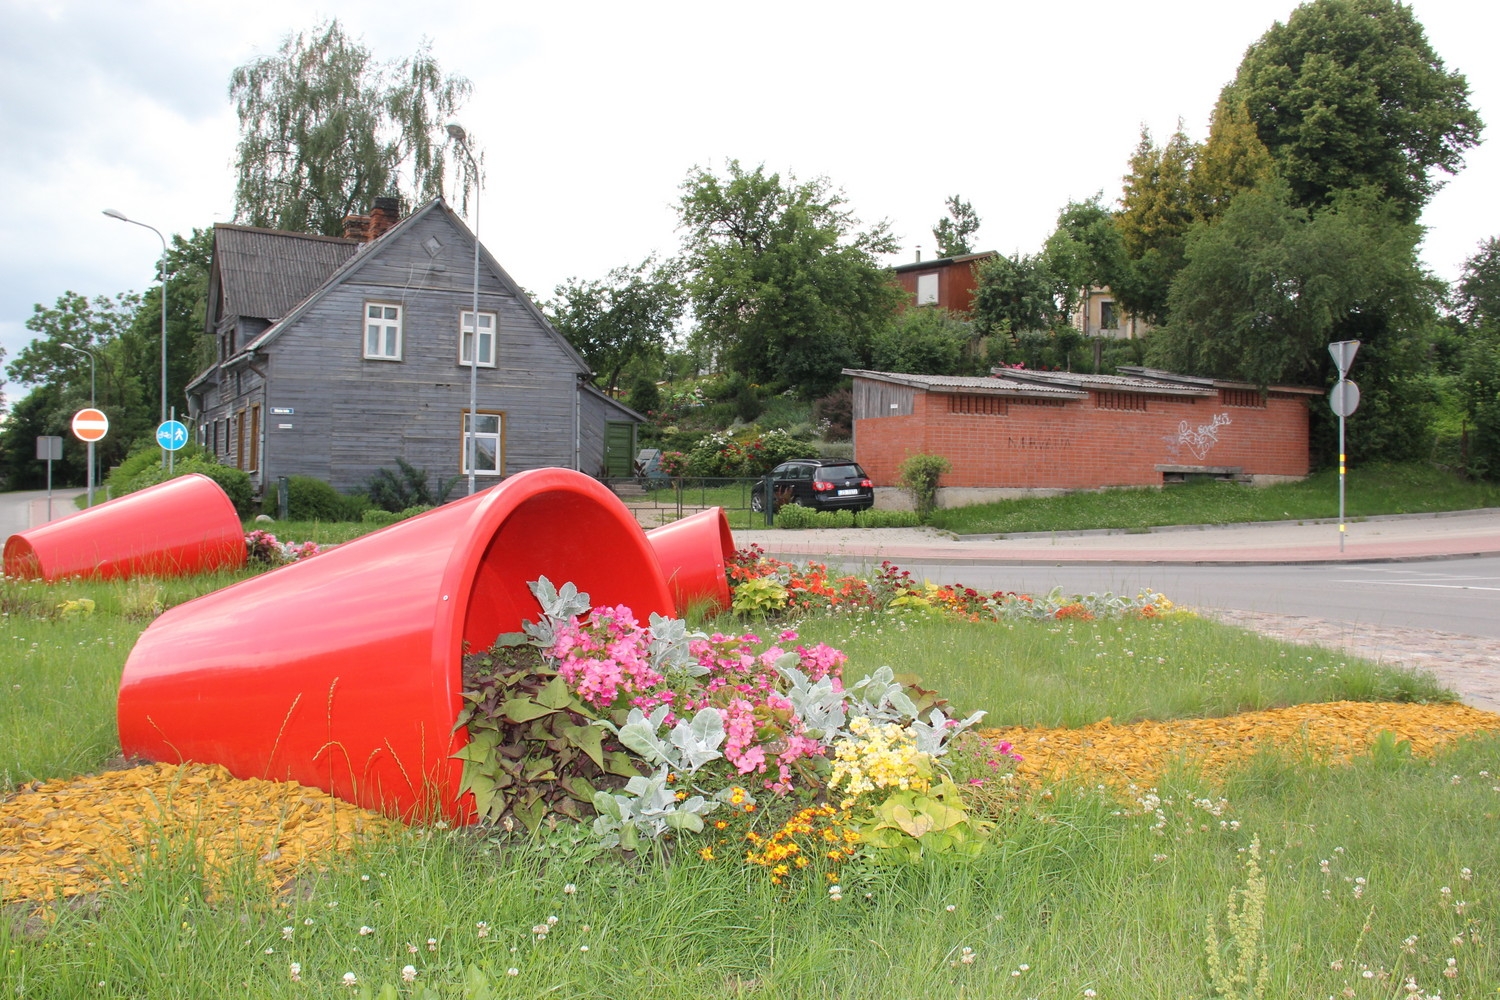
(590,115)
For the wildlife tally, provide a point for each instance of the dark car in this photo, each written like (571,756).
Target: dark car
(819,483)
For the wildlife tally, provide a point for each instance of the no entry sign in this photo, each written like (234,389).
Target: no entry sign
(90,425)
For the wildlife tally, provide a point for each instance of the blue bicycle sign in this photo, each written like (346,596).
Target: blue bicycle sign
(172,434)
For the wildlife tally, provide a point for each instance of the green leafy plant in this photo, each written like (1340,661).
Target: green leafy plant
(406,487)
(1238,968)
(759,597)
(533,747)
(920,474)
(909,825)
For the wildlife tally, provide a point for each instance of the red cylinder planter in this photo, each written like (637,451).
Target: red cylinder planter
(343,671)
(694,553)
(183,526)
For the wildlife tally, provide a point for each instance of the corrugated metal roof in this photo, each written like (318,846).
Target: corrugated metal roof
(1176,386)
(985,385)
(265,273)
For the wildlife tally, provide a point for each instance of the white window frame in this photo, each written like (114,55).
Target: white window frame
(466,332)
(386,324)
(927,289)
(498,436)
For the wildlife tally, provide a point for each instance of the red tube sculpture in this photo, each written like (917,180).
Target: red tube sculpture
(182,526)
(344,671)
(694,553)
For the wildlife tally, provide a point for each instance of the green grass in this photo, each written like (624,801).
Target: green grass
(1373,490)
(322,532)
(1075,891)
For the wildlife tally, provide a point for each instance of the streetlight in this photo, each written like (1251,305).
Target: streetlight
(457,134)
(115,213)
(80,350)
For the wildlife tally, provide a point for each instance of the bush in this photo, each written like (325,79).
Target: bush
(797,516)
(834,414)
(406,487)
(920,475)
(308,499)
(644,396)
(143,468)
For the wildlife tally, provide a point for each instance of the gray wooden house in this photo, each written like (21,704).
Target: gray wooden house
(336,356)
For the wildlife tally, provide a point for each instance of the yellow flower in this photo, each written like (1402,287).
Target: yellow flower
(706,853)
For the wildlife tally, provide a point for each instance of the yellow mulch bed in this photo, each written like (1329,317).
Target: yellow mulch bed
(1331,732)
(67,837)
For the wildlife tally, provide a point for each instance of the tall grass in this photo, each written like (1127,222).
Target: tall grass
(1372,490)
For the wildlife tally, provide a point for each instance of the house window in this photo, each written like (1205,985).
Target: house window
(1107,319)
(239,440)
(252,460)
(487,323)
(927,289)
(488,435)
(382,331)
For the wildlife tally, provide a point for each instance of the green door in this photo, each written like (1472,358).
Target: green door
(619,449)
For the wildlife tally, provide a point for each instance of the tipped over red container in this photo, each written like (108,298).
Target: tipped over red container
(694,554)
(344,671)
(180,527)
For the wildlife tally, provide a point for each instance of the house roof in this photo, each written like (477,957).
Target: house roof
(987,385)
(611,401)
(918,265)
(367,251)
(265,273)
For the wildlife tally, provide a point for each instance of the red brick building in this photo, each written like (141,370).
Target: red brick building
(1021,430)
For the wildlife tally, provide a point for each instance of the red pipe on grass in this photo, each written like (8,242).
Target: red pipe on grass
(694,553)
(344,671)
(180,527)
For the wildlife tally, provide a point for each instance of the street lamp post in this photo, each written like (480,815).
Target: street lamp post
(457,133)
(114,213)
(92,405)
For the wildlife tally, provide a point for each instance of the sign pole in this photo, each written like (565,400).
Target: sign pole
(1344,399)
(91,474)
(172,453)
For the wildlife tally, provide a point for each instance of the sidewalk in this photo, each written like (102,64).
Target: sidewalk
(1388,538)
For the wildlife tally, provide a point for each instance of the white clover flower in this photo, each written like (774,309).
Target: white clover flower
(551,921)
(482,929)
(366,931)
(350,979)
(296,970)
(411,949)
(432,944)
(286,934)
(950,907)
(512,971)
(308,922)
(583,947)
(569,889)
(408,973)
(270,951)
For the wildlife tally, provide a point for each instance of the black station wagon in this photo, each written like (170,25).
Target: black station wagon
(819,483)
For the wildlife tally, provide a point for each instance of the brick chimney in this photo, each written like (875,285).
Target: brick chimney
(385,214)
(357,227)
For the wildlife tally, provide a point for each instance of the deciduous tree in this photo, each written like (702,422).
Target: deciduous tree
(782,278)
(627,317)
(1015,294)
(1348,94)
(1156,210)
(325,129)
(952,234)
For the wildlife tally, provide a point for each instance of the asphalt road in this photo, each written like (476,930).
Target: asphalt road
(1448,595)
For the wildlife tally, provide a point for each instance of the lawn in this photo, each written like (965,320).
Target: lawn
(1334,880)
(1369,491)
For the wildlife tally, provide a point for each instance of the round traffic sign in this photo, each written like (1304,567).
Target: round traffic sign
(90,424)
(1344,397)
(171,434)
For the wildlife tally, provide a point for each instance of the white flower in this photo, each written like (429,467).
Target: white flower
(1090,994)
(286,934)
(551,921)
(270,951)
(950,907)
(482,929)
(583,947)
(296,970)
(408,973)
(366,931)
(512,971)
(569,889)
(308,922)
(411,949)
(432,944)
(350,979)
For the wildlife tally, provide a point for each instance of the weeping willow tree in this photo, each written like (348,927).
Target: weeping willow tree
(325,129)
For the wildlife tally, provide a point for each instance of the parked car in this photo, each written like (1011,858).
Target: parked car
(819,483)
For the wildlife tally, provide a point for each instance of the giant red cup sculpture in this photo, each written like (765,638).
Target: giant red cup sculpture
(183,526)
(344,671)
(693,553)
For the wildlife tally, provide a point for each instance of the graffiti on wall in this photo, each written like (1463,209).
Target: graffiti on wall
(1198,441)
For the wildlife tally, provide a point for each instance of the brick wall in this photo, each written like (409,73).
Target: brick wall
(1084,444)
